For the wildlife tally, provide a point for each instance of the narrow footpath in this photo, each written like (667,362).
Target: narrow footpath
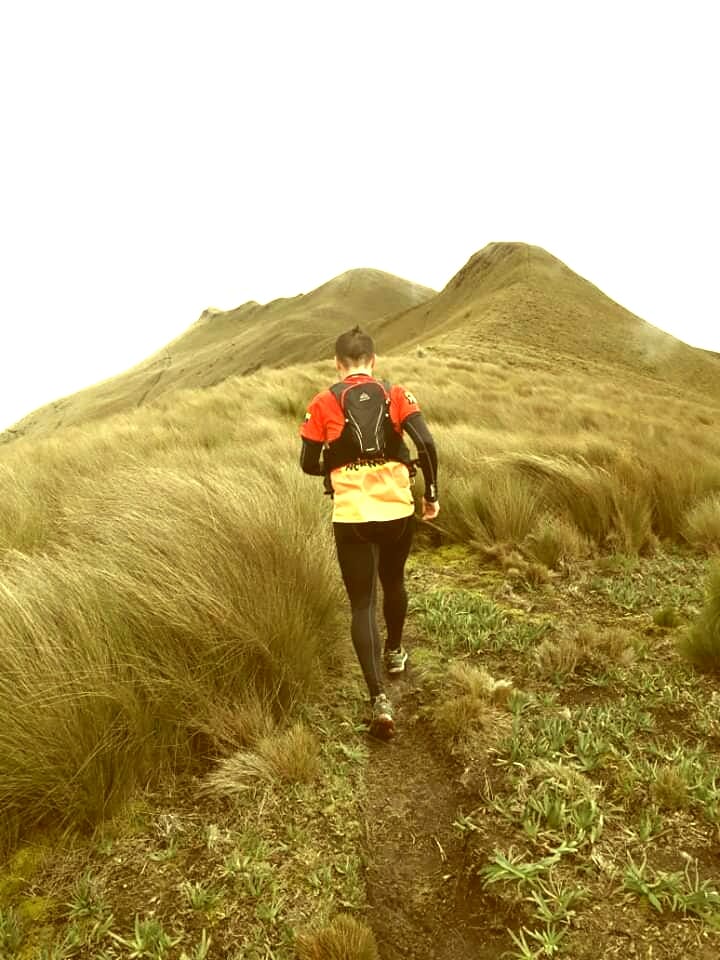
(421,903)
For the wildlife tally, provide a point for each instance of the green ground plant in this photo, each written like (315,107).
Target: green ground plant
(680,891)
(466,620)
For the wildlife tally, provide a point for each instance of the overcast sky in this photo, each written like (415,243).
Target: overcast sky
(159,158)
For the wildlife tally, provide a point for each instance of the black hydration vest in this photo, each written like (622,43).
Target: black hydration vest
(368,435)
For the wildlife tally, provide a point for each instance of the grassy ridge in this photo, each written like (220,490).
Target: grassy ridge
(165,568)
(510,299)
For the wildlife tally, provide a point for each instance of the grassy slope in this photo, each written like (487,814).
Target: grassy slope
(222,344)
(553,470)
(519,296)
(95,509)
(509,298)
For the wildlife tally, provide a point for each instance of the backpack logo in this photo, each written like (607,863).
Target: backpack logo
(363,397)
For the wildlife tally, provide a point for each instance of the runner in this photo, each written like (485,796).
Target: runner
(357,426)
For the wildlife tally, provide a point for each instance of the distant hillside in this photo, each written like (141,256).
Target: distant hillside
(510,299)
(223,344)
(513,295)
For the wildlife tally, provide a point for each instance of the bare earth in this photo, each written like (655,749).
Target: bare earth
(421,905)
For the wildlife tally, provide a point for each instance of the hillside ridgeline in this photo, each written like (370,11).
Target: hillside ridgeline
(222,344)
(517,298)
(511,301)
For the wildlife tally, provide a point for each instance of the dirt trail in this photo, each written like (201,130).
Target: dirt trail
(421,906)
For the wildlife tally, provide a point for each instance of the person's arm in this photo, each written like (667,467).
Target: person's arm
(416,428)
(310,457)
(312,433)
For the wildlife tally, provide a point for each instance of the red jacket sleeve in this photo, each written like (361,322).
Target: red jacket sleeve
(402,404)
(313,426)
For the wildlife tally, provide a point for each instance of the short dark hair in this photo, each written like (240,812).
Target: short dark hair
(354,346)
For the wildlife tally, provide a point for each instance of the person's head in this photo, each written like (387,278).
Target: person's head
(354,350)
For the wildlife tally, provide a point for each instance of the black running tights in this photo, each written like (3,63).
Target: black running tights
(365,552)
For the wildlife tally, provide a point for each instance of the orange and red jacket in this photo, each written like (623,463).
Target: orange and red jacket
(366,491)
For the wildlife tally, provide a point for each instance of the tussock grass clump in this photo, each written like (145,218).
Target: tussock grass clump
(556,506)
(345,938)
(609,647)
(555,541)
(578,489)
(597,502)
(588,649)
(228,727)
(626,492)
(292,756)
(476,682)
(701,643)
(490,507)
(186,597)
(702,523)
(557,656)
(666,617)
(669,789)
(472,714)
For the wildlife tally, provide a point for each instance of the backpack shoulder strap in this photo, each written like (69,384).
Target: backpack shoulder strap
(338,390)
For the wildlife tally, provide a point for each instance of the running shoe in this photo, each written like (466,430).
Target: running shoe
(382,724)
(395,660)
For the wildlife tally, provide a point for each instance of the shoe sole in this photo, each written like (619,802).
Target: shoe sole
(383,728)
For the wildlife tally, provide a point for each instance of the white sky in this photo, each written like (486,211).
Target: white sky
(162,157)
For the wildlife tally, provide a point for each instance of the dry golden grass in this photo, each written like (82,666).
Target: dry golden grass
(169,587)
(702,523)
(291,756)
(343,939)
(557,656)
(167,569)
(506,464)
(228,727)
(510,307)
(165,592)
(509,466)
(589,647)
(555,541)
(670,789)
(701,643)
(611,646)
(471,713)
(224,344)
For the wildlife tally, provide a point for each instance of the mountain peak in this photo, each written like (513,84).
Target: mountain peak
(509,299)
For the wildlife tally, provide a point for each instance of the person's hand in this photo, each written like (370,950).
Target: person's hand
(430,510)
